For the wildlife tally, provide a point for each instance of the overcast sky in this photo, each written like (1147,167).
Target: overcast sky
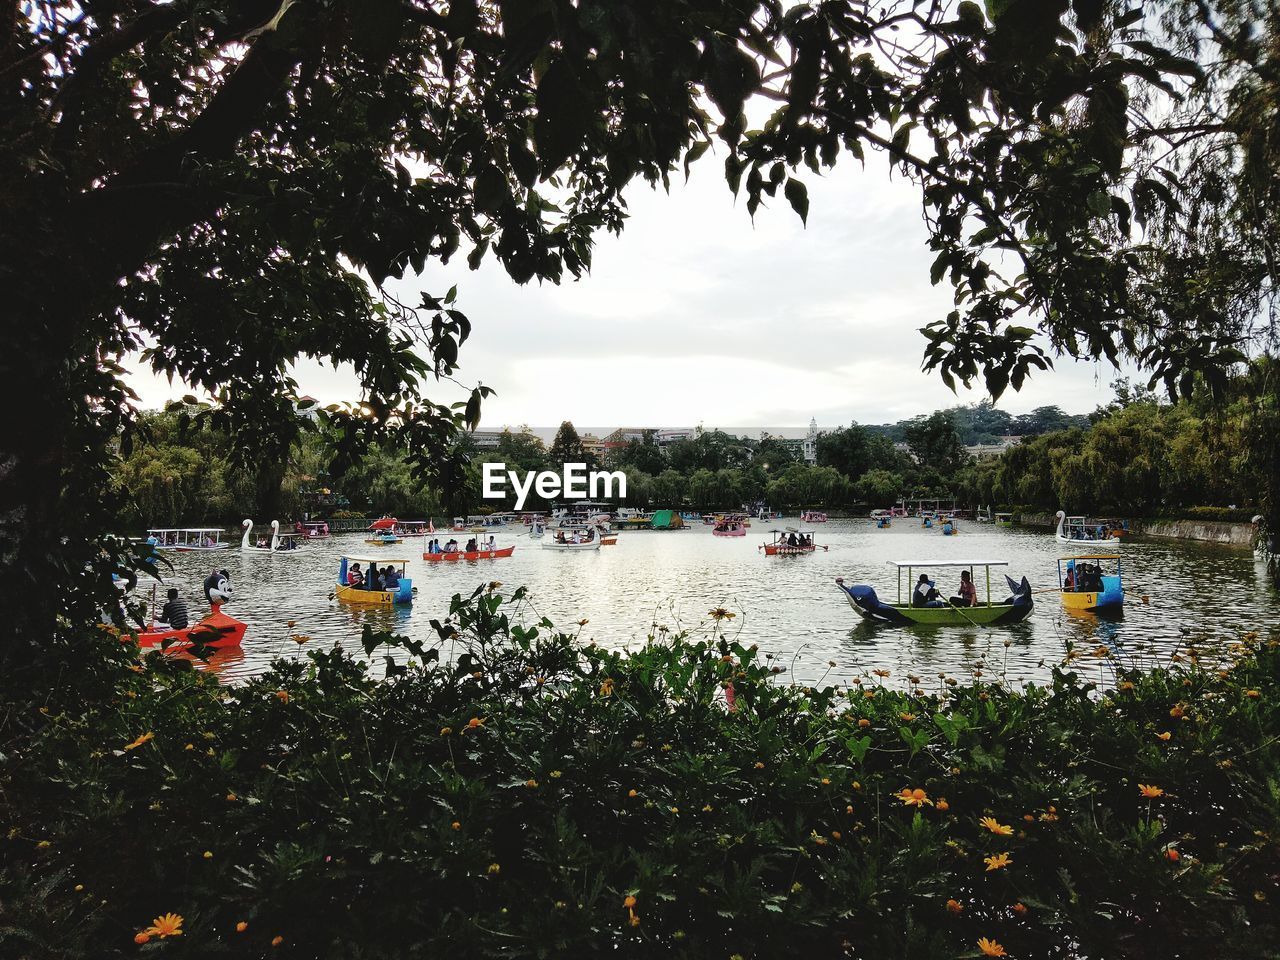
(696,315)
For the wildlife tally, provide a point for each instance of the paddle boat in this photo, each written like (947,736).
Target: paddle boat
(884,522)
(789,543)
(342,590)
(568,537)
(384,537)
(1081,529)
(927,522)
(384,523)
(314,530)
(1084,586)
(470,555)
(413,528)
(730,526)
(1017,606)
(266,546)
(288,542)
(813,516)
(982,515)
(187,539)
(217,630)
(1004,519)
(949,527)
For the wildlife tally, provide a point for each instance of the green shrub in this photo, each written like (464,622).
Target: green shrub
(506,792)
(1220,514)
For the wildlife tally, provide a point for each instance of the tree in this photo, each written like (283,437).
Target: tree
(642,454)
(880,488)
(935,444)
(668,490)
(566,447)
(773,453)
(854,450)
(228,187)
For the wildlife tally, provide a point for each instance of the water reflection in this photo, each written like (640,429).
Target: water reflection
(788,605)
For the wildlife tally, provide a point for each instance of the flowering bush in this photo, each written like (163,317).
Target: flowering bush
(516,792)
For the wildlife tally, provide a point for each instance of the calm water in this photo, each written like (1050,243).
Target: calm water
(790,606)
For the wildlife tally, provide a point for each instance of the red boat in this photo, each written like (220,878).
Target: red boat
(790,543)
(217,630)
(384,523)
(469,555)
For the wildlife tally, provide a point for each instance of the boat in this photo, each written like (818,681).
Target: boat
(1091,589)
(950,527)
(1017,606)
(383,537)
(536,529)
(926,522)
(413,528)
(349,594)
(729,528)
(314,529)
(1081,529)
(268,547)
(469,555)
(216,631)
(1004,520)
(883,522)
(187,539)
(982,515)
(666,520)
(813,516)
(790,542)
(571,538)
(287,542)
(384,523)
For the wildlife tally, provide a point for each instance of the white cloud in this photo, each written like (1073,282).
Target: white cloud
(696,314)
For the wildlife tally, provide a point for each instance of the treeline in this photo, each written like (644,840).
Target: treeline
(1139,456)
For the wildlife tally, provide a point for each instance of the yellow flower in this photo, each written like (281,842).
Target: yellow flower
(145,738)
(531,783)
(1020,909)
(232,798)
(1127,685)
(906,717)
(1177,710)
(881,673)
(242,926)
(445,731)
(606,687)
(759,765)
(954,906)
(277,940)
(633,793)
(720,613)
(942,804)
(208,854)
(997,862)
(583,623)
(864,722)
(456,825)
(495,868)
(300,638)
(1164,736)
(990,948)
(996,827)
(1253,693)
(141,937)
(826,781)
(166,925)
(556,774)
(913,798)
(282,696)
(1150,792)
(189,746)
(629,902)
(474,722)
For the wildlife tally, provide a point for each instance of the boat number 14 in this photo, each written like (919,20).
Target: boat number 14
(577,483)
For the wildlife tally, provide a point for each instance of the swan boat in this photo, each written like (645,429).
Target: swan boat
(1017,606)
(271,544)
(1080,530)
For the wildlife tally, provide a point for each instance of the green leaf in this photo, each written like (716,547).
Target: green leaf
(797,195)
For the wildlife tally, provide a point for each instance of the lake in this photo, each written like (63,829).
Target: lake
(1196,594)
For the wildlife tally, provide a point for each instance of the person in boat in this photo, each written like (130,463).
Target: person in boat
(471,545)
(1069,581)
(492,544)
(355,577)
(174,612)
(926,593)
(792,541)
(968,596)
(390,578)
(374,580)
(451,546)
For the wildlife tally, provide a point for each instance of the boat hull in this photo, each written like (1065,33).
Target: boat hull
(552,545)
(1110,597)
(774,550)
(185,548)
(217,630)
(386,598)
(740,532)
(468,555)
(867,605)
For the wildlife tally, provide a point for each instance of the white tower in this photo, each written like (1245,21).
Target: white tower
(811,443)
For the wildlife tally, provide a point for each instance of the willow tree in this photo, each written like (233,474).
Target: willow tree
(228,186)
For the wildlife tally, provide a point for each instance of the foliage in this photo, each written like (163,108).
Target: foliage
(935,443)
(567,446)
(508,790)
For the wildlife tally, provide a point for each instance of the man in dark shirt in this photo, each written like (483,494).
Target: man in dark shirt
(174,612)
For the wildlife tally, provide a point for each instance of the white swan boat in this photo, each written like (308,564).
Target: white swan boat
(1078,530)
(248,543)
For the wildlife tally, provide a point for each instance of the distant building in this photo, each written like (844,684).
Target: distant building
(980,451)
(486,439)
(593,445)
(809,446)
(664,437)
(624,435)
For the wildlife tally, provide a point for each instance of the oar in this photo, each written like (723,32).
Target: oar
(959,611)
